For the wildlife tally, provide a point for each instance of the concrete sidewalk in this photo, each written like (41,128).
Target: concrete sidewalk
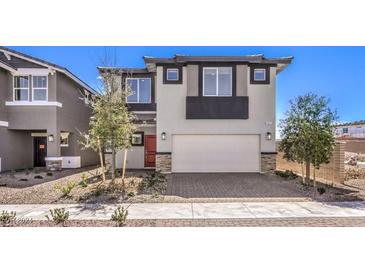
(197,210)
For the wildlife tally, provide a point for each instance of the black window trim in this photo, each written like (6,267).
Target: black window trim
(172,82)
(252,74)
(142,136)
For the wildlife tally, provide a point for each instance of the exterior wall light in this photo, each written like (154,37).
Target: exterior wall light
(50,138)
(268,136)
(163,136)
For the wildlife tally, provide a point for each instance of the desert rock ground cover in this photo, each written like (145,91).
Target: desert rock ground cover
(36,187)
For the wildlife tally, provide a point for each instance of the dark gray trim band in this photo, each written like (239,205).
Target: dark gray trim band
(217,107)
(163,153)
(268,153)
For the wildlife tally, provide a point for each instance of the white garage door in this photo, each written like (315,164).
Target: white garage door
(215,153)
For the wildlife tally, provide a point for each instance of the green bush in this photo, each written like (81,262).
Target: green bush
(58,215)
(120,216)
(287,174)
(154,183)
(65,190)
(7,218)
(84,180)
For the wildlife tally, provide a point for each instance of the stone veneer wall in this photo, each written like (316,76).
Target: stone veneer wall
(163,162)
(268,162)
(333,172)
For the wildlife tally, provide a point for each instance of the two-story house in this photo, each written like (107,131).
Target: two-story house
(203,113)
(350,130)
(43,108)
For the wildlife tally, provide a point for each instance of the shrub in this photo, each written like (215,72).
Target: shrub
(354,173)
(287,174)
(7,218)
(38,177)
(321,190)
(154,183)
(65,190)
(84,180)
(58,215)
(49,174)
(23,179)
(120,216)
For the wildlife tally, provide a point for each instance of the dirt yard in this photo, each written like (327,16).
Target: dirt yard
(40,187)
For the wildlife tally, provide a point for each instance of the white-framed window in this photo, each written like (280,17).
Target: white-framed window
(39,88)
(172,74)
(21,88)
(140,89)
(137,139)
(345,130)
(64,139)
(259,74)
(217,81)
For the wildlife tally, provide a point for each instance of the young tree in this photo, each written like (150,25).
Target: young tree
(112,124)
(307,132)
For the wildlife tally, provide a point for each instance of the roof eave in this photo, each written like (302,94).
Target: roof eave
(49,66)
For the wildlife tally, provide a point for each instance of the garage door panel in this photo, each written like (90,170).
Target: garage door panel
(215,153)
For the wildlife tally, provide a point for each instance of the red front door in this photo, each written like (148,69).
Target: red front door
(150,150)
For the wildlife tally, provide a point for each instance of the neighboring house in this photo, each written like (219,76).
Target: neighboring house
(351,130)
(42,110)
(203,113)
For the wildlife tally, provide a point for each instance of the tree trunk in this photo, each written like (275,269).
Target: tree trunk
(113,161)
(307,172)
(102,164)
(302,165)
(314,180)
(124,163)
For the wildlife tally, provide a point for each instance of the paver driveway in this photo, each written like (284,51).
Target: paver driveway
(232,185)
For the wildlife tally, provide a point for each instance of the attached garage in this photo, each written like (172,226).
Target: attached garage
(215,153)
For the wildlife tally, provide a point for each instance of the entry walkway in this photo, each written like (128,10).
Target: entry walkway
(197,210)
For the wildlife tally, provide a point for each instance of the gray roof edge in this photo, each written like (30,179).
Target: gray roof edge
(259,58)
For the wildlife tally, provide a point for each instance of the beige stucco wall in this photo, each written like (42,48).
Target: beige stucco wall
(171,101)
(135,155)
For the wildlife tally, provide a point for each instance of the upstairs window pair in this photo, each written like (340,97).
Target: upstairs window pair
(140,90)
(217,81)
(39,88)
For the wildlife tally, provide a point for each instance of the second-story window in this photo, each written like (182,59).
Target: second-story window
(172,74)
(217,81)
(259,75)
(40,88)
(140,89)
(21,88)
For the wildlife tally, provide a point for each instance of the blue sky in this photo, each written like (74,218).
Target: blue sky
(336,72)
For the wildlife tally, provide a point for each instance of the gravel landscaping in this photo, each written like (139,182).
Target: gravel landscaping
(36,187)
(264,222)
